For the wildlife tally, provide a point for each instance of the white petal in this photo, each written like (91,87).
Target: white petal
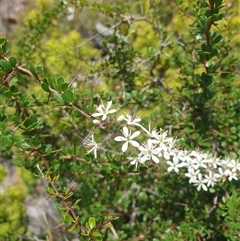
(165,154)
(135,134)
(112,111)
(204,187)
(134,143)
(169,163)
(141,148)
(145,158)
(133,162)
(149,144)
(176,169)
(109,103)
(120,138)
(125,146)
(95,153)
(155,159)
(125,131)
(96,114)
(104,117)
(120,118)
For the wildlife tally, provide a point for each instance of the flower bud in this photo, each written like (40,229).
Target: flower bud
(96,122)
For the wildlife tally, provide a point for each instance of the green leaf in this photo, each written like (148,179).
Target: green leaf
(58,97)
(61,207)
(56,178)
(91,222)
(39,70)
(6,141)
(7,47)
(76,113)
(213,53)
(48,149)
(217,39)
(3,89)
(64,86)
(12,61)
(97,235)
(45,87)
(33,71)
(68,96)
(72,227)
(68,218)
(5,66)
(59,82)
(8,94)
(56,167)
(14,118)
(14,89)
(50,191)
(233,130)
(223,143)
(25,146)
(31,120)
(2,40)
(91,108)
(76,202)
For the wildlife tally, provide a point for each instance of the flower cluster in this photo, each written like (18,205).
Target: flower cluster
(154,147)
(203,169)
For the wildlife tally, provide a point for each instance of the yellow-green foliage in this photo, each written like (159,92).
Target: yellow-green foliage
(27,178)
(37,7)
(144,37)
(62,51)
(3,173)
(12,214)
(64,58)
(231,25)
(145,41)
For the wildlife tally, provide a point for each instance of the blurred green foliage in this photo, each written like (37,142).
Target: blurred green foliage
(13,214)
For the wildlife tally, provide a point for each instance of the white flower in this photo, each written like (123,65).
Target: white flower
(214,161)
(128,138)
(200,183)
(159,137)
(92,143)
(211,179)
(102,111)
(174,164)
(171,143)
(149,151)
(192,175)
(199,161)
(199,37)
(136,160)
(231,175)
(234,165)
(132,120)
(221,175)
(188,161)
